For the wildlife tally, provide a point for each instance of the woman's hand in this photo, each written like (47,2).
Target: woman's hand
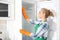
(22,31)
(24,13)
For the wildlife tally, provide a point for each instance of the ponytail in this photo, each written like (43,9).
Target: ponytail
(50,13)
(47,12)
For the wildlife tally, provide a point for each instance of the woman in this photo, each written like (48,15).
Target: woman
(40,25)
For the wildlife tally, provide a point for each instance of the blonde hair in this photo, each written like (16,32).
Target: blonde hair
(47,12)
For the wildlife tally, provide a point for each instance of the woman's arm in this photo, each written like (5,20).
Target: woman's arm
(27,18)
(24,14)
(24,32)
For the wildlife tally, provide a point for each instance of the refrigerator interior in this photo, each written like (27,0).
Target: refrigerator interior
(30,10)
